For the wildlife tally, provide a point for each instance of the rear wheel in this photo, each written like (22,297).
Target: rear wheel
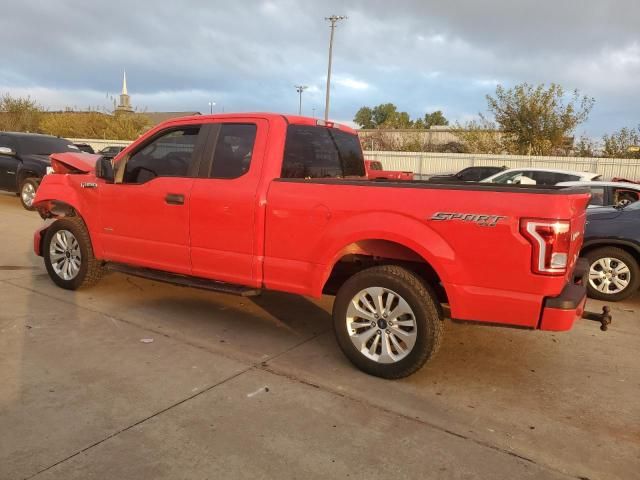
(27,193)
(613,274)
(68,254)
(387,321)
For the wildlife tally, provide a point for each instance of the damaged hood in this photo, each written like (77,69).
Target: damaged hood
(77,162)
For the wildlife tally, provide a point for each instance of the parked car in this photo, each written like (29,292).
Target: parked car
(539,176)
(612,246)
(85,147)
(375,170)
(469,174)
(110,151)
(24,160)
(242,203)
(608,194)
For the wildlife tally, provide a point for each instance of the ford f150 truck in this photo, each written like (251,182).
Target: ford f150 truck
(244,202)
(375,171)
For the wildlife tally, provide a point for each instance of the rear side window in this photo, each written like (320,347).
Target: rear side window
(510,177)
(232,157)
(376,166)
(321,152)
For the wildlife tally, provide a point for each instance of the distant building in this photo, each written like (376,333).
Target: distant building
(154,117)
(125,101)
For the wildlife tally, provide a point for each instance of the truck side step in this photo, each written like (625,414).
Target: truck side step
(184,280)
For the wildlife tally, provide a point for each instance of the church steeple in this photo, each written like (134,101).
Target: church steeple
(125,101)
(124,83)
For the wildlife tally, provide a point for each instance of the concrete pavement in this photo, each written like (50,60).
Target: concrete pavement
(82,397)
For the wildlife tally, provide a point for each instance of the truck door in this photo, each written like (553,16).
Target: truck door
(226,212)
(144,214)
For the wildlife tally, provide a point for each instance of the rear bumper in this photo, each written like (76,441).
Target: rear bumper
(559,313)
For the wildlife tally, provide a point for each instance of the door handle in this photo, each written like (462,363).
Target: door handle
(174,199)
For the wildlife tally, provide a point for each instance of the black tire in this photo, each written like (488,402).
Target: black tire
(633,276)
(91,269)
(423,303)
(29,182)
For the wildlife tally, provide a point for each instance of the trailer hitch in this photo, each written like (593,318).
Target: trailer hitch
(604,318)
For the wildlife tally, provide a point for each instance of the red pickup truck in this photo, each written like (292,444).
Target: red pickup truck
(375,171)
(244,202)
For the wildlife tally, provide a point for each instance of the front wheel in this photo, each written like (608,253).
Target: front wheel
(27,193)
(614,274)
(68,254)
(387,321)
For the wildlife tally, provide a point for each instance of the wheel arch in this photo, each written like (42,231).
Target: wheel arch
(369,252)
(629,247)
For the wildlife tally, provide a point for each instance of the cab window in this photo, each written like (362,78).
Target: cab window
(169,155)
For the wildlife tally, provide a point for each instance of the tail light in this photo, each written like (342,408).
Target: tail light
(551,240)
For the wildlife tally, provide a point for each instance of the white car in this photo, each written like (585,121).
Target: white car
(540,176)
(607,194)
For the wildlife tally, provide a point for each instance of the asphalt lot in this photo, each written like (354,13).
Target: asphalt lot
(245,388)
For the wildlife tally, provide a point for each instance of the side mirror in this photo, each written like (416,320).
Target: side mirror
(7,151)
(104,169)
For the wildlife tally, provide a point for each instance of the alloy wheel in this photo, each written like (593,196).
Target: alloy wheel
(28,193)
(65,255)
(381,325)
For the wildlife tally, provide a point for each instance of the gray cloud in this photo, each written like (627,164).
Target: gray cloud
(248,55)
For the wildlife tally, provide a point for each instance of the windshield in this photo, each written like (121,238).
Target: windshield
(43,145)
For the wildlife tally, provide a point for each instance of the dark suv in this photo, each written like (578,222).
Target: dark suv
(24,160)
(612,246)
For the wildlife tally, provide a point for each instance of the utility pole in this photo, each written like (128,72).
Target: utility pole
(333,19)
(300,89)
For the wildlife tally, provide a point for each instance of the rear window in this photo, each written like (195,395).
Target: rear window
(321,152)
(376,166)
(42,145)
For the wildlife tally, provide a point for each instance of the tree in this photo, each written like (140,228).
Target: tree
(480,136)
(537,120)
(385,115)
(620,144)
(92,124)
(434,119)
(19,114)
(586,147)
(364,118)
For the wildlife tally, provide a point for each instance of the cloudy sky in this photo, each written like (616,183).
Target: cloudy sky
(247,55)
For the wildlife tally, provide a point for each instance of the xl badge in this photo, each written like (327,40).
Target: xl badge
(478,219)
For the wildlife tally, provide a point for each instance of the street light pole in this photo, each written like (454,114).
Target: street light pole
(333,19)
(211,105)
(300,89)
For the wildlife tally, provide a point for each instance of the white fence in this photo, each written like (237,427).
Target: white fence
(425,164)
